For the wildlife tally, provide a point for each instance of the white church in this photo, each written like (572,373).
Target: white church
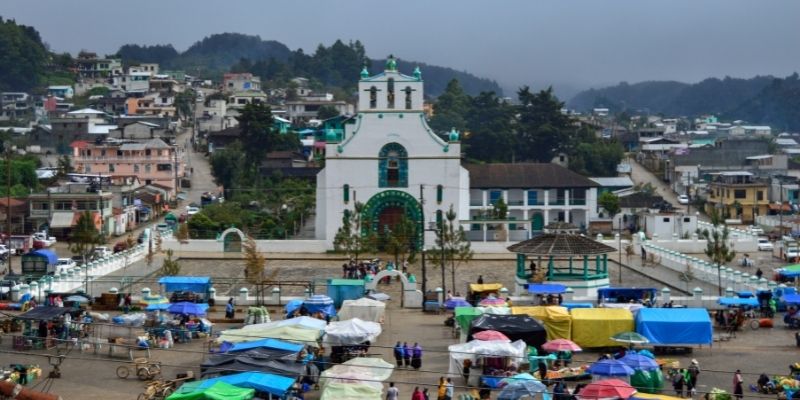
(389,158)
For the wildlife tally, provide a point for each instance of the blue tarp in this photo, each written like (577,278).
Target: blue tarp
(791,299)
(552,288)
(52,258)
(157,306)
(738,301)
(745,294)
(672,326)
(570,306)
(266,343)
(196,284)
(625,295)
(275,385)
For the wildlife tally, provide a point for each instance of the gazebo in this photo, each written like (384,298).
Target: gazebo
(564,248)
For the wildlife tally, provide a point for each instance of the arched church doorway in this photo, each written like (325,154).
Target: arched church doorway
(386,209)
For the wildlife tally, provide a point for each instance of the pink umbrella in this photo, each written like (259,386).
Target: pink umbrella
(490,335)
(492,301)
(560,345)
(607,389)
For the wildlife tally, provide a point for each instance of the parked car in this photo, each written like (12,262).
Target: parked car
(120,246)
(190,210)
(764,244)
(791,254)
(65,264)
(101,252)
(140,238)
(755,230)
(41,240)
(683,199)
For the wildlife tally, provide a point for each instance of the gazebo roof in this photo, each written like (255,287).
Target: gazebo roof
(560,245)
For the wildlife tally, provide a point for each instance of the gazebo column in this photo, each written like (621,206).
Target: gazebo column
(605,263)
(570,265)
(585,266)
(596,265)
(520,265)
(550,268)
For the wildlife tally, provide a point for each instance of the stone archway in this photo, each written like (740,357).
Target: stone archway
(232,239)
(412,298)
(387,206)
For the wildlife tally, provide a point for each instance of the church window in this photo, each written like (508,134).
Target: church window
(408,91)
(390,93)
(373,97)
(439,218)
(439,190)
(393,166)
(346,193)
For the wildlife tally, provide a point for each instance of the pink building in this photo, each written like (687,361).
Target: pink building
(152,161)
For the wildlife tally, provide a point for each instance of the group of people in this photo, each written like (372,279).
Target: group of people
(408,356)
(686,378)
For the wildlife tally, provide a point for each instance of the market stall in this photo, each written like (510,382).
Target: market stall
(341,290)
(186,288)
(266,386)
(264,360)
(515,327)
(594,327)
(557,320)
(46,327)
(351,338)
(217,391)
(359,374)
(363,308)
(319,305)
(675,326)
(298,334)
(270,344)
(478,291)
(490,360)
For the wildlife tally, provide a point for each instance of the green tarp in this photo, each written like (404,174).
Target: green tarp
(218,391)
(465,315)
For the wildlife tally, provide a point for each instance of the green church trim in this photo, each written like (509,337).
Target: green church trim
(393,198)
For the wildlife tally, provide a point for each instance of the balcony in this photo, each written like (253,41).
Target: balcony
(577,202)
(123,159)
(558,202)
(537,202)
(476,202)
(516,202)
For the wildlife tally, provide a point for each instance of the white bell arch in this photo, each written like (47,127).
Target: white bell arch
(412,297)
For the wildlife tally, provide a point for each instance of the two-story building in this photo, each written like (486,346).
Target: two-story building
(90,66)
(15,105)
(240,82)
(61,207)
(152,161)
(61,91)
(535,194)
(303,110)
(132,83)
(238,100)
(738,195)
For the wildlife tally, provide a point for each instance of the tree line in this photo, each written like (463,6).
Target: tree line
(533,130)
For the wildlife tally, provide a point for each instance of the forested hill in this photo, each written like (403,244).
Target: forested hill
(759,100)
(336,65)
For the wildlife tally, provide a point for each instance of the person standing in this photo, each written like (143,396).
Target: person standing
(417,395)
(407,354)
(465,370)
(229,309)
(448,391)
(677,382)
(480,279)
(737,384)
(694,370)
(416,356)
(442,392)
(542,370)
(425,395)
(398,354)
(393,393)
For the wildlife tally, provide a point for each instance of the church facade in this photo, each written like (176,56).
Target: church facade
(388,158)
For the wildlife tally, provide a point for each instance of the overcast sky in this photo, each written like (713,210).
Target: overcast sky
(564,43)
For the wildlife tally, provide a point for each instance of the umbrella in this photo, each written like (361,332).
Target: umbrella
(293,305)
(186,308)
(640,362)
(519,388)
(518,377)
(77,299)
(630,338)
(492,301)
(560,345)
(490,335)
(610,368)
(318,300)
(454,302)
(605,389)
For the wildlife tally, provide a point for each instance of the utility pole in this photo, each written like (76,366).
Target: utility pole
(177,186)
(422,227)
(8,205)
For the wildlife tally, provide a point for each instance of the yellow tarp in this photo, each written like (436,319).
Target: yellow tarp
(593,327)
(556,319)
(650,396)
(485,287)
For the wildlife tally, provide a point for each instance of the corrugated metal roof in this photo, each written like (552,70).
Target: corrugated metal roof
(528,175)
(613,181)
(132,146)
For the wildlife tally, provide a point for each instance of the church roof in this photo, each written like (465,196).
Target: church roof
(527,175)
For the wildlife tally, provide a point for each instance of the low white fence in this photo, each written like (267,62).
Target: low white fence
(75,279)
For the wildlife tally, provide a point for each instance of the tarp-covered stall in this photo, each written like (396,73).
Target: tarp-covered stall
(593,327)
(275,385)
(476,348)
(557,320)
(297,334)
(674,326)
(364,309)
(195,284)
(258,360)
(341,290)
(351,332)
(217,391)
(515,327)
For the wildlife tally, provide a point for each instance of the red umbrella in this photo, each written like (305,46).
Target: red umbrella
(560,345)
(490,335)
(607,389)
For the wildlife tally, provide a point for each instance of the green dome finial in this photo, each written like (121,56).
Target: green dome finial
(454,135)
(417,73)
(391,63)
(364,73)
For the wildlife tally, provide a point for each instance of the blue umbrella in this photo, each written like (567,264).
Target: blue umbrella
(610,368)
(520,388)
(293,305)
(454,302)
(186,308)
(639,362)
(318,300)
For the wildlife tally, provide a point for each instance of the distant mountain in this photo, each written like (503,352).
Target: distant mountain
(758,100)
(220,53)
